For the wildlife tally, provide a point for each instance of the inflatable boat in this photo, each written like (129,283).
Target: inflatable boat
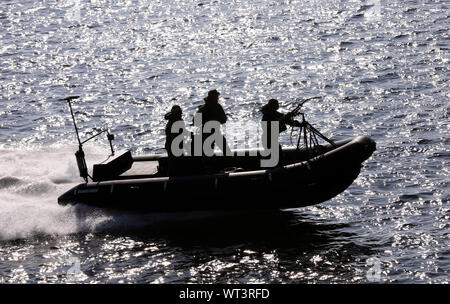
(304,177)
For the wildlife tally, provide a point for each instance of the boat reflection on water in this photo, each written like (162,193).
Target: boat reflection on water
(201,247)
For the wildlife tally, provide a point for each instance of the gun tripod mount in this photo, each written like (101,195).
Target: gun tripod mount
(310,135)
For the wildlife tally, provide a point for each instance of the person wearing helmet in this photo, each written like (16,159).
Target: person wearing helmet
(270,116)
(213,113)
(174,117)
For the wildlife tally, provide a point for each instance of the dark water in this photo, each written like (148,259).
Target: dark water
(383,67)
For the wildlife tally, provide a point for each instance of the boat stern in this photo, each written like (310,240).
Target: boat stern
(68,198)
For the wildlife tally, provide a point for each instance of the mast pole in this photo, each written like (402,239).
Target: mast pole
(73,119)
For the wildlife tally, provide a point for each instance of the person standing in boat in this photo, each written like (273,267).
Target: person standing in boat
(175,131)
(272,116)
(212,116)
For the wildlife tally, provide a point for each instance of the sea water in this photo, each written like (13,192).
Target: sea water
(382,68)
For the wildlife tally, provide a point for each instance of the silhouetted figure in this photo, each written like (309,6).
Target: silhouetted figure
(271,115)
(175,115)
(212,111)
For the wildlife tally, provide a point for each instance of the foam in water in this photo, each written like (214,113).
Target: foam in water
(31,181)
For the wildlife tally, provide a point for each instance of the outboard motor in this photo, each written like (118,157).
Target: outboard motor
(81,162)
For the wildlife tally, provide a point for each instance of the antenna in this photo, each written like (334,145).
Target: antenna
(79,155)
(69,99)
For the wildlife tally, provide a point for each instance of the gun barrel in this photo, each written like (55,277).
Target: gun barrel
(299,106)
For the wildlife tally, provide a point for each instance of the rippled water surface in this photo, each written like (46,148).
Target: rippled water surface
(383,67)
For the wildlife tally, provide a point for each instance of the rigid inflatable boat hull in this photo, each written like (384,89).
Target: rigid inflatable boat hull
(296,185)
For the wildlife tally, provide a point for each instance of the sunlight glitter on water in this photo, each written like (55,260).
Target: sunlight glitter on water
(383,70)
